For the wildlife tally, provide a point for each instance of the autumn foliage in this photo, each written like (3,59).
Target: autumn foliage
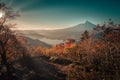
(95,57)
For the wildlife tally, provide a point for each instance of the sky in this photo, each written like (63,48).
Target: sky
(55,14)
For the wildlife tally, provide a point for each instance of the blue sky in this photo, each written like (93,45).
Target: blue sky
(52,14)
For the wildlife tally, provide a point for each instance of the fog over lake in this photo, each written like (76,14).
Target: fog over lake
(50,41)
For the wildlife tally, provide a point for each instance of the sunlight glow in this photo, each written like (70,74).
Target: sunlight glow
(2,14)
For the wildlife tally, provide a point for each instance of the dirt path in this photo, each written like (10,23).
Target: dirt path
(41,69)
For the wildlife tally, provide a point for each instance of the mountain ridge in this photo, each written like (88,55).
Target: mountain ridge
(36,42)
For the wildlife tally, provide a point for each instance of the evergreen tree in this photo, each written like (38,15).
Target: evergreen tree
(85,35)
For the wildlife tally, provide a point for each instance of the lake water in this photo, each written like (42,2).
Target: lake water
(50,41)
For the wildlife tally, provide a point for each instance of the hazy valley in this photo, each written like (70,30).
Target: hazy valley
(53,37)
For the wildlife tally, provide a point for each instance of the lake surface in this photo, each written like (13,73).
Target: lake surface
(50,41)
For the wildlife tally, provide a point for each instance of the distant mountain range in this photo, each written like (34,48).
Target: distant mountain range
(71,32)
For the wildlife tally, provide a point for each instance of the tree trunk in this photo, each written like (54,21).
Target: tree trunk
(4,61)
